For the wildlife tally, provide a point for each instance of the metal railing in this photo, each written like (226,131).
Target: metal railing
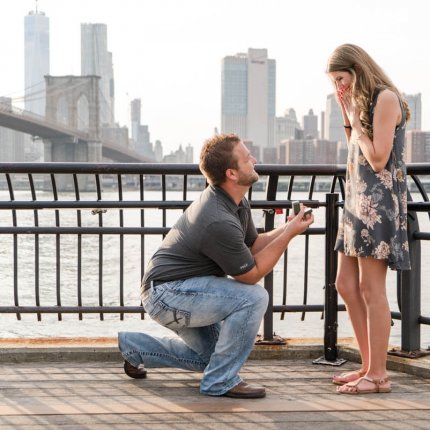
(64,206)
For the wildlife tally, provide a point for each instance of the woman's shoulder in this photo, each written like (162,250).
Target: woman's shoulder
(388,103)
(388,95)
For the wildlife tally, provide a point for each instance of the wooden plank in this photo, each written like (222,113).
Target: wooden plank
(99,396)
(156,404)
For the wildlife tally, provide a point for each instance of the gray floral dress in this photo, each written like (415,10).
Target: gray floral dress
(374,220)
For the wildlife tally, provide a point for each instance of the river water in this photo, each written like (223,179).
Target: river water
(290,326)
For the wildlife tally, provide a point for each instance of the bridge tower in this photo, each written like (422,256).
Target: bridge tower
(73,101)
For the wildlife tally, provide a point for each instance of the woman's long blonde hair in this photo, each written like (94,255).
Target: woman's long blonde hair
(368,77)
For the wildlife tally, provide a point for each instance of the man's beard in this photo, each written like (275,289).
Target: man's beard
(248,180)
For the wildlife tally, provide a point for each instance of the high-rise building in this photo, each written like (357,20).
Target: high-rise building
(36,67)
(189,154)
(333,127)
(417,146)
(140,133)
(248,87)
(36,60)
(286,126)
(322,122)
(96,60)
(310,125)
(143,143)
(297,151)
(158,151)
(326,151)
(135,111)
(414,102)
(308,151)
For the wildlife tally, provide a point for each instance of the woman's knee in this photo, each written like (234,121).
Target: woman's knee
(342,286)
(348,289)
(372,292)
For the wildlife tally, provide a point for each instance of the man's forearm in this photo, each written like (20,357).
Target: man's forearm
(267,257)
(264,239)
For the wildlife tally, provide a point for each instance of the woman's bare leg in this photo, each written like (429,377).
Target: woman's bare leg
(347,285)
(372,283)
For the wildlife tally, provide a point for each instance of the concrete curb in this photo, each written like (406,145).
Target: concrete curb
(412,366)
(105,350)
(56,354)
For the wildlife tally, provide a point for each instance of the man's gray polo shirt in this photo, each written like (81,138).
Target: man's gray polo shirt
(212,237)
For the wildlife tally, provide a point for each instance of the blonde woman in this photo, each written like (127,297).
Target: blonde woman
(373,232)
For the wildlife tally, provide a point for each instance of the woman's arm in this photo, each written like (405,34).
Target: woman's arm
(386,116)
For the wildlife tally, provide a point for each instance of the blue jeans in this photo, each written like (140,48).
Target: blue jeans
(216,319)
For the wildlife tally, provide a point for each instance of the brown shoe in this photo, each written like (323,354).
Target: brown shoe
(246,391)
(134,372)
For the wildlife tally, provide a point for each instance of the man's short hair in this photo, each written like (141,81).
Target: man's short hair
(216,157)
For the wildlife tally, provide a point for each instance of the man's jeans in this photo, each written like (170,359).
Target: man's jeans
(217,320)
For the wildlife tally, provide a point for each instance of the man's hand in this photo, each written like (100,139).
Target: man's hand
(299,223)
(268,256)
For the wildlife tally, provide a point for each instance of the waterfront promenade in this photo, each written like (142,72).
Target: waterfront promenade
(81,385)
(73,256)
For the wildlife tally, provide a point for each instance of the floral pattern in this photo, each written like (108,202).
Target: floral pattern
(374,221)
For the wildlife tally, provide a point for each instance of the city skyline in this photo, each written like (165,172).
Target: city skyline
(169,53)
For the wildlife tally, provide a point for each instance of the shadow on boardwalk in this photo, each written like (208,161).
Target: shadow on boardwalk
(98,395)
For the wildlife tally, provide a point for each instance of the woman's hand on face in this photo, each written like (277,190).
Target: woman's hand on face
(347,102)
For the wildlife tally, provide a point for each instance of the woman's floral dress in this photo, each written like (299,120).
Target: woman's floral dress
(374,221)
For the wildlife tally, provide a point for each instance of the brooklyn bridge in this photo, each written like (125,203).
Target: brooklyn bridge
(71,130)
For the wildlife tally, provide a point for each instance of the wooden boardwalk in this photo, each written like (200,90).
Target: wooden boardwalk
(71,395)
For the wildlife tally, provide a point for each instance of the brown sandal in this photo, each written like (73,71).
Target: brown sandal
(344,379)
(354,387)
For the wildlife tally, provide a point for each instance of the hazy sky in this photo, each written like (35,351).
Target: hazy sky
(169,52)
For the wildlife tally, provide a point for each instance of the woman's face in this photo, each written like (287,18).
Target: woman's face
(342,81)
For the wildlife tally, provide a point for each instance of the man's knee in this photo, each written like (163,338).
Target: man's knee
(122,340)
(259,296)
(130,341)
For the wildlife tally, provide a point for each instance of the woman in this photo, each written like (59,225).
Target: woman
(373,232)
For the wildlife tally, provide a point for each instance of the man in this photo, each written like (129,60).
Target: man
(201,283)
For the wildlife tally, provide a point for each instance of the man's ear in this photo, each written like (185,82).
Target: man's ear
(231,174)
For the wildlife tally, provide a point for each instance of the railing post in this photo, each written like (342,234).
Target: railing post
(330,304)
(269,224)
(409,283)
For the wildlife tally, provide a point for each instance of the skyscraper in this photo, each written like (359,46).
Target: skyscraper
(36,60)
(417,146)
(96,60)
(333,127)
(248,90)
(414,102)
(286,126)
(140,133)
(310,125)
(135,111)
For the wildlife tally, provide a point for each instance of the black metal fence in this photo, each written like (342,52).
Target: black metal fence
(60,221)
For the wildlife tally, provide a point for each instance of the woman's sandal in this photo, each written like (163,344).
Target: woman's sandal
(354,387)
(346,377)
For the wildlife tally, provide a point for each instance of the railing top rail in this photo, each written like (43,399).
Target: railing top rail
(173,168)
(158,168)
